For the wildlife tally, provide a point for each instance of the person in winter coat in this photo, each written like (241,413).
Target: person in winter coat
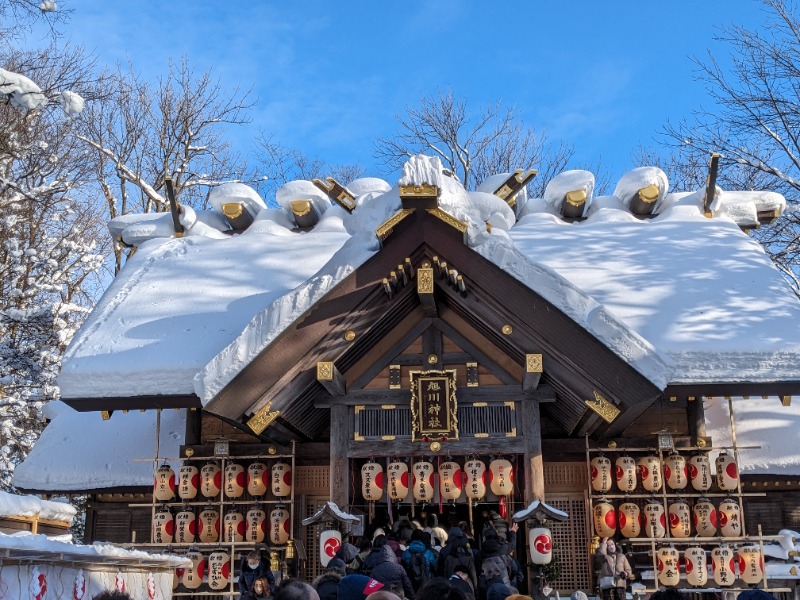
(493,573)
(327,584)
(438,535)
(260,590)
(461,580)
(495,550)
(418,548)
(615,570)
(457,552)
(252,567)
(390,574)
(375,555)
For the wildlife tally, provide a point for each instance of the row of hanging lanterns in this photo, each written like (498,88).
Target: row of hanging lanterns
(678,472)
(471,480)
(724,564)
(209,480)
(215,570)
(633,520)
(187,528)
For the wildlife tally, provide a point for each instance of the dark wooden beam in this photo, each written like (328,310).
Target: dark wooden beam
(466,396)
(133,402)
(330,378)
(534,465)
(432,348)
(426,291)
(404,448)
(733,389)
(696,418)
(341,434)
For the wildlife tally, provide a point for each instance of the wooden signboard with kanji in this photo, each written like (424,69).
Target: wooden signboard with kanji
(433,406)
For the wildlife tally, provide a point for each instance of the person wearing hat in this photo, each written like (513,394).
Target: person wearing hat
(295,589)
(357,587)
(615,570)
(457,552)
(327,584)
(461,580)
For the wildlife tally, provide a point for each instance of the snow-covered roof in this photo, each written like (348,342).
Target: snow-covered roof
(118,453)
(681,297)
(12,505)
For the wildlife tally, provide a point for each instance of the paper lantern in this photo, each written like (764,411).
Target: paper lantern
(234,480)
(119,583)
(281,480)
(501,477)
(650,473)
(475,486)
(605,519)
(233,527)
(669,572)
(680,519)
(727,472)
(279,526)
(219,569)
(256,528)
(722,562)
(185,526)
(751,565)
(193,575)
(625,472)
(164,486)
(397,475)
(163,527)
(600,472)
(704,515)
(540,541)
(208,525)
(330,541)
(675,471)
(256,484)
(655,521)
(188,482)
(700,472)
(629,517)
(210,480)
(730,518)
(372,481)
(451,482)
(423,481)
(696,566)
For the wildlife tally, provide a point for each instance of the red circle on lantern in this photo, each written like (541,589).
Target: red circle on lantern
(543,544)
(611,519)
(201,569)
(240,479)
(170,527)
(196,480)
(689,565)
(674,520)
(241,528)
(693,471)
(404,479)
(723,519)
(742,564)
(713,517)
(663,520)
(331,547)
(379,480)
(286,525)
(287,478)
(644,471)
(218,479)
(458,479)
(622,519)
(193,527)
(660,565)
(619,472)
(730,469)
(594,472)
(667,471)
(226,569)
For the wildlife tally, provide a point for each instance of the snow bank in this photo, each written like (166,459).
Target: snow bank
(12,505)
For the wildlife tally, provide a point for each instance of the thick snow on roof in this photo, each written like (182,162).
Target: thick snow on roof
(12,505)
(118,453)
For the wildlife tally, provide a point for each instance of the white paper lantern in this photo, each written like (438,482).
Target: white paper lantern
(234,480)
(680,519)
(281,480)
(208,525)
(650,473)
(730,518)
(330,541)
(751,565)
(704,515)
(372,481)
(700,472)
(193,575)
(279,526)
(540,542)
(397,475)
(625,472)
(629,517)
(475,486)
(451,482)
(188,482)
(724,567)
(185,526)
(676,472)
(256,529)
(423,481)
(727,472)
(501,477)
(669,572)
(233,527)
(695,563)
(210,480)
(256,479)
(163,527)
(655,521)
(600,473)
(219,570)
(605,519)
(164,486)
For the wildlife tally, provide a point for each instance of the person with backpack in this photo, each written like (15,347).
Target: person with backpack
(386,570)
(457,553)
(419,560)
(460,580)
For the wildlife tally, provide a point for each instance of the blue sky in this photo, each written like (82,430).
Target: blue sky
(331,76)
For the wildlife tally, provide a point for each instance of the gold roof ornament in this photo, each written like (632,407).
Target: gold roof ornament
(336,192)
(263,418)
(607,411)
(509,189)
(423,195)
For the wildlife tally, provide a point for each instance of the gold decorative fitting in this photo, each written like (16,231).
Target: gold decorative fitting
(481,435)
(509,404)
(105,414)
(432,359)
(692,398)
(300,208)
(272,450)
(673,398)
(607,411)
(388,406)
(448,218)
(533,363)
(435,446)
(786,400)
(189,452)
(425,280)
(389,224)
(701,443)
(507,329)
(324,371)
(232,210)
(575,197)
(480,404)
(387,438)
(612,444)
(649,194)
(349,335)
(423,190)
(358,408)
(512,433)
(263,418)
(426,264)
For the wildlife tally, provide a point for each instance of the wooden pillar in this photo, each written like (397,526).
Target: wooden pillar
(193,427)
(532,436)
(341,434)
(696,417)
